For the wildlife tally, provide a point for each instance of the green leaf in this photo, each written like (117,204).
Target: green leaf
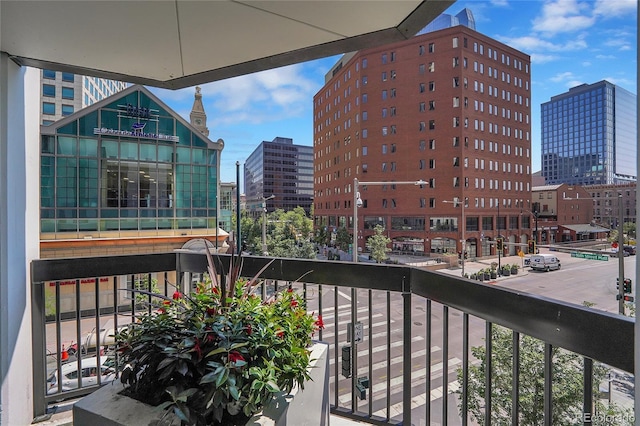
(216,352)
(222,378)
(182,412)
(234,392)
(272,386)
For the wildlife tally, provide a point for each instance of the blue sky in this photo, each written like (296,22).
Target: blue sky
(570,42)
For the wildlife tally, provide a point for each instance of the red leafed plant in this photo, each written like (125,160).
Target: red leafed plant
(219,354)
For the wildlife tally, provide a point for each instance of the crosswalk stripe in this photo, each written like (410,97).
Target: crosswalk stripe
(396,382)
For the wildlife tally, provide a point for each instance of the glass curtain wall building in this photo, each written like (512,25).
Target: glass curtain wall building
(127,166)
(589,136)
(279,168)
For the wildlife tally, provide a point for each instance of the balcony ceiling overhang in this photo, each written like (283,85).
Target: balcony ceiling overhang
(177,44)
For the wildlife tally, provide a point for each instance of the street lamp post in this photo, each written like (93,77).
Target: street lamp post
(464,225)
(357,202)
(502,245)
(264,223)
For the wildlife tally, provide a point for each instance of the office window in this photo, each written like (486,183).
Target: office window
(423,203)
(393,75)
(365,115)
(432,47)
(421,164)
(422,126)
(456,102)
(48,108)
(384,148)
(422,87)
(384,58)
(421,68)
(393,111)
(67,76)
(49,90)
(432,182)
(432,202)
(393,129)
(393,56)
(432,66)
(456,82)
(422,107)
(384,203)
(49,74)
(421,50)
(392,93)
(67,93)
(384,112)
(432,163)
(456,62)
(455,42)
(432,86)
(67,109)
(422,145)
(432,124)
(384,76)
(432,144)
(365,98)
(393,147)
(432,105)
(456,162)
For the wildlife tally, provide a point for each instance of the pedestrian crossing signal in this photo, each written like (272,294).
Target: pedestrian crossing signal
(532,247)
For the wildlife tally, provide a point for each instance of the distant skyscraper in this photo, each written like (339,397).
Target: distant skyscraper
(464,18)
(64,93)
(282,169)
(589,136)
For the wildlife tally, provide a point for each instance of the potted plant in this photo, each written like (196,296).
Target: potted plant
(492,271)
(220,354)
(486,274)
(506,270)
(514,269)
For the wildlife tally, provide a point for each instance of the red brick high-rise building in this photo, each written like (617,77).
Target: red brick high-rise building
(450,107)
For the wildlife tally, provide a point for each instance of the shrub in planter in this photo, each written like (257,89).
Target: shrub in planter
(218,355)
(514,269)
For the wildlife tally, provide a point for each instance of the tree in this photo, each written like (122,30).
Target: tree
(343,239)
(567,383)
(289,234)
(377,244)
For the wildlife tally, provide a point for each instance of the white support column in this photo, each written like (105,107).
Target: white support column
(19,234)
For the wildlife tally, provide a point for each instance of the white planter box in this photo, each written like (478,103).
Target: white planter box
(106,407)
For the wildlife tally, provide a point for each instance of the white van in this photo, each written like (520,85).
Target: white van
(544,262)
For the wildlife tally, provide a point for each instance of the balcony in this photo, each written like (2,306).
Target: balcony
(413,339)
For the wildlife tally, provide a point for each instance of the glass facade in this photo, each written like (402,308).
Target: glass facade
(127,163)
(588,136)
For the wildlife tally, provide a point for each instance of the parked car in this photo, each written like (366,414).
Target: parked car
(88,374)
(544,262)
(629,249)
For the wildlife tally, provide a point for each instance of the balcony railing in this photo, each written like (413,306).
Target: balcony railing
(412,335)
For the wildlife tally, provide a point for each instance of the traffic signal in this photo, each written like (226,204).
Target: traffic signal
(346,361)
(466,255)
(499,245)
(459,255)
(626,286)
(532,247)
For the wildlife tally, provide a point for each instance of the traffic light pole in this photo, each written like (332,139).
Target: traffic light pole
(620,256)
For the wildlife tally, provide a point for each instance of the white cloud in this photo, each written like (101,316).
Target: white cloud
(529,44)
(541,58)
(499,3)
(567,75)
(611,8)
(586,63)
(605,57)
(563,16)
(573,83)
